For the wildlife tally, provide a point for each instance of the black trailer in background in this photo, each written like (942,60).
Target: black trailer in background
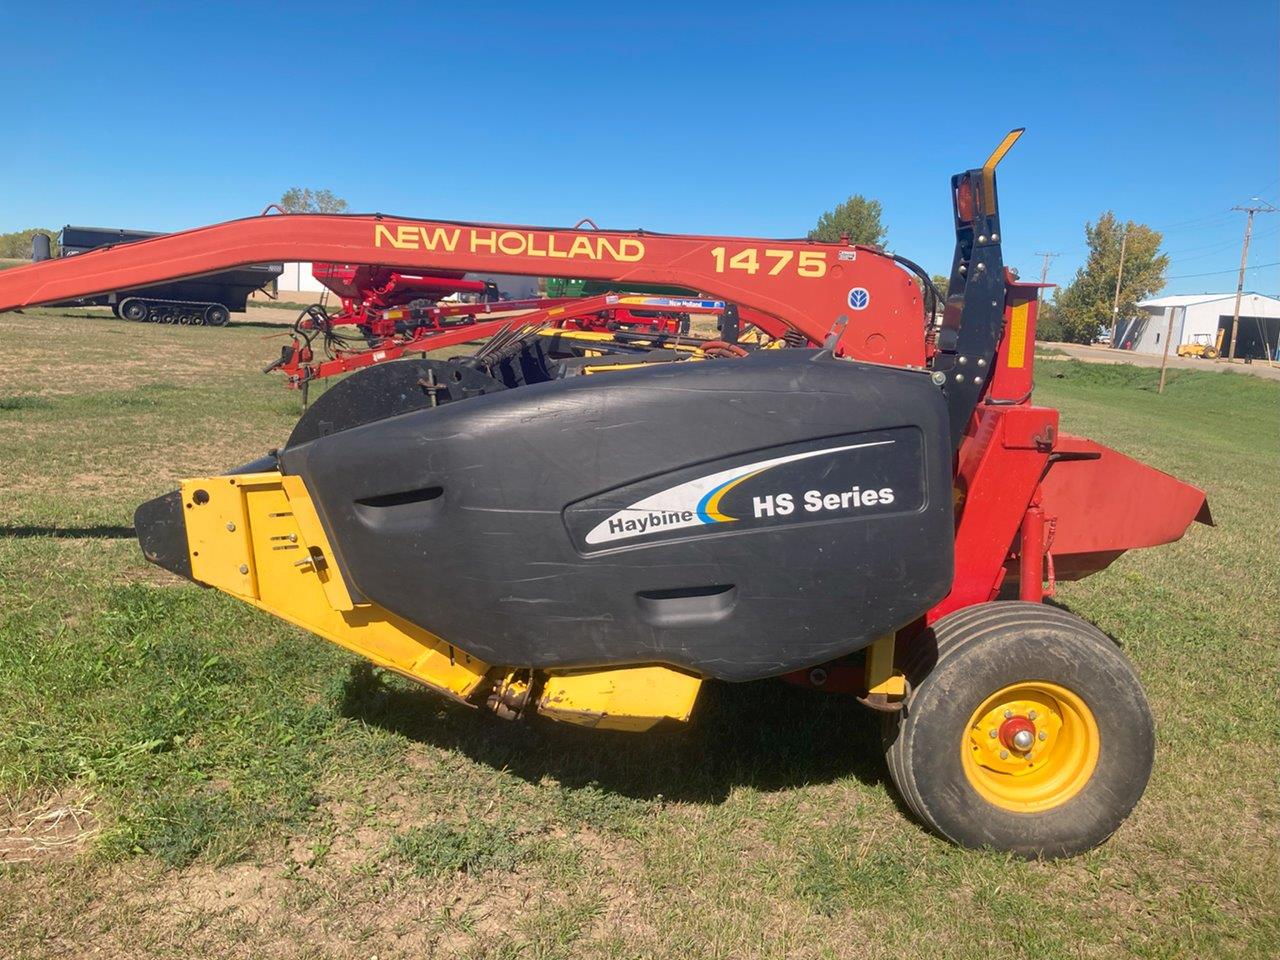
(208,299)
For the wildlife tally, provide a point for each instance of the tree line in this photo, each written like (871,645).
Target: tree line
(17,245)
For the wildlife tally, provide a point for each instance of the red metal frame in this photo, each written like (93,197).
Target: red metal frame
(433,333)
(367,291)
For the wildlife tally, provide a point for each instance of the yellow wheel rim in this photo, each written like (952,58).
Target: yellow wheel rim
(1030,747)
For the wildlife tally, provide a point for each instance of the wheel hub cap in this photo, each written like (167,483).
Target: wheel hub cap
(1017,733)
(1030,746)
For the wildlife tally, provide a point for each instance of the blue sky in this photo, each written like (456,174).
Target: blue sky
(736,118)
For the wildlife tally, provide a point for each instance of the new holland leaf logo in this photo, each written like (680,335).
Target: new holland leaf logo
(859,298)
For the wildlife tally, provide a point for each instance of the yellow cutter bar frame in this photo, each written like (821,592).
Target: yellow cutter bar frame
(258,537)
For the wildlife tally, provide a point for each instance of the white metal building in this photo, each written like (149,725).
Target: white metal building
(297,278)
(1197,318)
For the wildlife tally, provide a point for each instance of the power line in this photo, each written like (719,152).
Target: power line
(1212,221)
(1216,246)
(1219,273)
(1220,248)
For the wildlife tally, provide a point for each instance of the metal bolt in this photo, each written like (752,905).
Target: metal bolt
(244,568)
(1031,714)
(959,378)
(1043,735)
(1004,754)
(231,527)
(995,237)
(293,538)
(977,379)
(1008,714)
(963,268)
(962,361)
(982,362)
(994,733)
(982,238)
(982,266)
(1023,740)
(939,378)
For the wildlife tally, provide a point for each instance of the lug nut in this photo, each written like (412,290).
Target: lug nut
(1031,714)
(994,733)
(1004,754)
(1043,735)
(231,527)
(1008,714)
(244,568)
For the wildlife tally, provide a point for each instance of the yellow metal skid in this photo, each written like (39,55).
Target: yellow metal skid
(633,698)
(257,536)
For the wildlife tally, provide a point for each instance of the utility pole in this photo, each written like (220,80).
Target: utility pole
(1044,271)
(1244,259)
(1115,304)
(1168,335)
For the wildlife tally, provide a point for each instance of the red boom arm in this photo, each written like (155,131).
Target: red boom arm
(805,285)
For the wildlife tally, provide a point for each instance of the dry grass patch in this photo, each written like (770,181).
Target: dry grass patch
(43,829)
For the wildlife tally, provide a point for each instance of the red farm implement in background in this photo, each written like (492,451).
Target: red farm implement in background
(444,325)
(397,313)
(587,522)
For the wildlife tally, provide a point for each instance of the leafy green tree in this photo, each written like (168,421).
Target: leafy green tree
(857,217)
(17,245)
(939,281)
(306,200)
(1049,322)
(1086,303)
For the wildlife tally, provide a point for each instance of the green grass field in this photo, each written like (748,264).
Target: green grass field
(181,776)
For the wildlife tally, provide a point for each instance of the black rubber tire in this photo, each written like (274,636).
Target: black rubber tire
(135,310)
(216,315)
(971,654)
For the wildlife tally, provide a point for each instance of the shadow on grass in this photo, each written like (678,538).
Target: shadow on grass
(767,735)
(67,533)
